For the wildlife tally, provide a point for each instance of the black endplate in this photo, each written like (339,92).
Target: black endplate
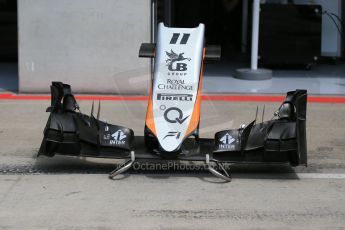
(279,140)
(69,132)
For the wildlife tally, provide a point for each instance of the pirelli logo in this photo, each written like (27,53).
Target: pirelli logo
(175,38)
(174,97)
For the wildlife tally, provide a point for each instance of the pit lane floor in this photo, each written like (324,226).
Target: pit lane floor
(75,193)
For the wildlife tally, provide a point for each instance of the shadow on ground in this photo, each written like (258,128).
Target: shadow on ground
(155,169)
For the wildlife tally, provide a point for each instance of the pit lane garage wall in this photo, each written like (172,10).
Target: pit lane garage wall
(91,44)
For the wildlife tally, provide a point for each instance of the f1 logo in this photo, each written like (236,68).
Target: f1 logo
(173,134)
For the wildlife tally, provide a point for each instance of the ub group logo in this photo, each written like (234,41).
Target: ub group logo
(174,62)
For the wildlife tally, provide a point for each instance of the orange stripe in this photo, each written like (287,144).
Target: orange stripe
(150,123)
(194,122)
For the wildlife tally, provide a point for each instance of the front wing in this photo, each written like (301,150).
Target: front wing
(280,140)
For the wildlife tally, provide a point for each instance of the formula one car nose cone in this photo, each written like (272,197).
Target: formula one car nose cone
(176,86)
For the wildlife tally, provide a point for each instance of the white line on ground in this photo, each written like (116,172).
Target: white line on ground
(320,176)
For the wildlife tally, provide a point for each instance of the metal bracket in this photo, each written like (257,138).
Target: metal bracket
(225,176)
(124,167)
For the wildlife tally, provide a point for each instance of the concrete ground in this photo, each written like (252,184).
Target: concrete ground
(75,193)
